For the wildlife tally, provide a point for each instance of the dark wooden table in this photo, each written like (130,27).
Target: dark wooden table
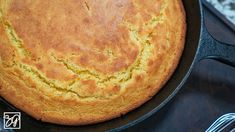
(208,93)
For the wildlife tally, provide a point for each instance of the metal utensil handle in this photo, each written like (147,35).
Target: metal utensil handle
(222,122)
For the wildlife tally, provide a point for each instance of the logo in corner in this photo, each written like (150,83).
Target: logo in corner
(12,120)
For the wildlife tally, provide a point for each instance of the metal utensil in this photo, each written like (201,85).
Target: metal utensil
(223,123)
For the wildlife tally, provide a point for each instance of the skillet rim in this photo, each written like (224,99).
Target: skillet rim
(167,98)
(170,97)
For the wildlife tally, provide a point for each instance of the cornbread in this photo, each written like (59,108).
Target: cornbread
(77,62)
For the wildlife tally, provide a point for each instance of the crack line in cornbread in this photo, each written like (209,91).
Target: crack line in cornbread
(119,78)
(15,39)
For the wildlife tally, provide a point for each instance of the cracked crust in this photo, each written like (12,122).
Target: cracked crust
(84,62)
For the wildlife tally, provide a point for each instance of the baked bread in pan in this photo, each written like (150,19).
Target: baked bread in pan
(77,62)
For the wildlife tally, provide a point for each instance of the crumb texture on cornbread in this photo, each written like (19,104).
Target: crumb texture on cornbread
(80,62)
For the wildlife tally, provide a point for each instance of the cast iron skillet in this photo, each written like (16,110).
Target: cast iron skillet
(199,45)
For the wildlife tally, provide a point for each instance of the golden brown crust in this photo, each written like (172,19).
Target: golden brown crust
(83,62)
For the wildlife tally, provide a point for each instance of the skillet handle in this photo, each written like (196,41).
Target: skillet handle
(210,48)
